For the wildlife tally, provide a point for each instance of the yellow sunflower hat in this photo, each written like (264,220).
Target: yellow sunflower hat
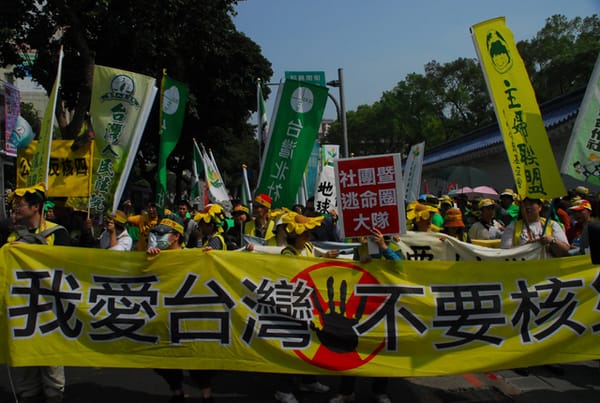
(211,213)
(40,189)
(298,223)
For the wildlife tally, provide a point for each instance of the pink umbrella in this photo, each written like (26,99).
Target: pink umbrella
(463,190)
(485,191)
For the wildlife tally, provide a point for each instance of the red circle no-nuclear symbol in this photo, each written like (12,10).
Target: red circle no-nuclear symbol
(336,309)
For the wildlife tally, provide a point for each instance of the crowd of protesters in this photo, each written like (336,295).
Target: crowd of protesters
(505,221)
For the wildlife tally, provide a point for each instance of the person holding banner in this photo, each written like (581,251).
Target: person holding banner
(169,236)
(36,384)
(210,222)
(388,251)
(298,228)
(262,226)
(533,228)
(486,227)
(234,236)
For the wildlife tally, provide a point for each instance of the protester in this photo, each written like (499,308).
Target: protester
(380,384)
(420,216)
(487,227)
(210,223)
(533,228)
(47,383)
(437,220)
(115,235)
(508,210)
(328,231)
(144,222)
(234,236)
(582,192)
(169,236)
(454,225)
(446,202)
(298,228)
(184,209)
(49,210)
(262,226)
(578,235)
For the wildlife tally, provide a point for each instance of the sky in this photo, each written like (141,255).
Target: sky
(378,43)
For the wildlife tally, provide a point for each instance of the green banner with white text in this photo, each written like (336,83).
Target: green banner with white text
(300,108)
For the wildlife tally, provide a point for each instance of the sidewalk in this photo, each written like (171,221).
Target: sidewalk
(580,383)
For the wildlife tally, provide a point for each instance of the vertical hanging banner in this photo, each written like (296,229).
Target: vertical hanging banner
(582,159)
(41,157)
(412,171)
(300,108)
(12,108)
(525,139)
(173,99)
(370,195)
(326,193)
(121,102)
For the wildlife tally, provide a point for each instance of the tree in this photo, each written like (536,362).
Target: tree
(451,99)
(561,57)
(195,40)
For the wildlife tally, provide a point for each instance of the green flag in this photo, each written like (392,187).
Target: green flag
(582,158)
(173,99)
(300,108)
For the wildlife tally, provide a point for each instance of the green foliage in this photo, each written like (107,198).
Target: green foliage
(561,57)
(451,99)
(194,40)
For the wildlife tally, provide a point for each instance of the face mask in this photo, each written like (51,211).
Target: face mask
(162,242)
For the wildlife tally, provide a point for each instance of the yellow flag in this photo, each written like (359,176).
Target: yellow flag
(525,139)
(69,171)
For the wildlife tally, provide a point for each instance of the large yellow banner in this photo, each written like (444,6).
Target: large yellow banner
(525,139)
(272,313)
(69,171)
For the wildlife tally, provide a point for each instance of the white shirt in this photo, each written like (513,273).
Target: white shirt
(534,234)
(124,241)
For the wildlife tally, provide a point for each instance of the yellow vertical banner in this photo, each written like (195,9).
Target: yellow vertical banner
(525,139)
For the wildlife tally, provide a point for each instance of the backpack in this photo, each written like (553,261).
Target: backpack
(23,235)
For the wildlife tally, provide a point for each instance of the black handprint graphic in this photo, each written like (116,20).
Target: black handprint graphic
(337,334)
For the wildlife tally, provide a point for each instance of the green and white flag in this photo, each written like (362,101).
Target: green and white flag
(121,103)
(41,158)
(173,99)
(582,159)
(217,192)
(300,108)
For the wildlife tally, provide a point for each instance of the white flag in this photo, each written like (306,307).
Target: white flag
(412,171)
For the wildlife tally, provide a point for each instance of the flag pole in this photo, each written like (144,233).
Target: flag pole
(259,134)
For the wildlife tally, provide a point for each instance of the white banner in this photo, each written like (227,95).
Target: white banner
(412,171)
